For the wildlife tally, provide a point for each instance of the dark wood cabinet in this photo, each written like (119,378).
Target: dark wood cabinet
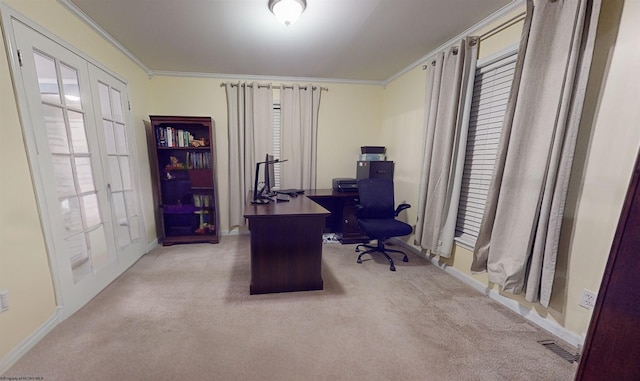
(349,230)
(342,221)
(186,181)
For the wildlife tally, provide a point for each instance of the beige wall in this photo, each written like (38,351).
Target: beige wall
(24,267)
(350,117)
(607,144)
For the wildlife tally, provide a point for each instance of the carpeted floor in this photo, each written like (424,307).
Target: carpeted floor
(185,313)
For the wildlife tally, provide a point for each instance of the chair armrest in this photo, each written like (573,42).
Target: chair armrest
(401,207)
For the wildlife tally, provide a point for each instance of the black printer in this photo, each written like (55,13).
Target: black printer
(345,185)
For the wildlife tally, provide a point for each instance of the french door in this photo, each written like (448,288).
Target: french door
(76,126)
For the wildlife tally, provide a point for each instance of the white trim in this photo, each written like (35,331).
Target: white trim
(235,232)
(162,73)
(531,315)
(29,342)
(464,243)
(98,29)
(470,31)
(151,245)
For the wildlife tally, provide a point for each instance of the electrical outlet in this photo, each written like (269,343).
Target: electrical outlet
(588,299)
(4,300)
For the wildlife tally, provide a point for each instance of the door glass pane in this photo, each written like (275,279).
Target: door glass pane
(134,227)
(131,204)
(110,138)
(122,222)
(84,174)
(98,248)
(71,215)
(91,210)
(56,129)
(119,208)
(64,176)
(114,174)
(104,100)
(117,105)
(70,86)
(78,135)
(78,256)
(126,174)
(47,78)
(121,139)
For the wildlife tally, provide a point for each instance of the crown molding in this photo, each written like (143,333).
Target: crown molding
(497,15)
(164,73)
(98,29)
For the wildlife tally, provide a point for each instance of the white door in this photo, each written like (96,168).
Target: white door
(112,106)
(69,152)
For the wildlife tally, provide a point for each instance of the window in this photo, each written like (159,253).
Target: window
(491,89)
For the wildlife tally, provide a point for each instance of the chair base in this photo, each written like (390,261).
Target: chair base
(381,249)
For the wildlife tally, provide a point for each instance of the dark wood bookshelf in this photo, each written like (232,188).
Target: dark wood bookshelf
(186,179)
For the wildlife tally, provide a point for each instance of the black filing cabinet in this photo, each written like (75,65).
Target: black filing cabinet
(375,170)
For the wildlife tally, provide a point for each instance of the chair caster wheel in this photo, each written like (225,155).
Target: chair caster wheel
(359,260)
(405,259)
(392,268)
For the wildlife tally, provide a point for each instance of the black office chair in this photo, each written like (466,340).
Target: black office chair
(375,215)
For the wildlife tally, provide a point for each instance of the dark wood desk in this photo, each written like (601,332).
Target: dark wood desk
(286,245)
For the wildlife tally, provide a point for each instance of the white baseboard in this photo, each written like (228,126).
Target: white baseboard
(531,315)
(19,350)
(235,232)
(151,245)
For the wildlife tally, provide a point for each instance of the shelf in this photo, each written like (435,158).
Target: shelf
(179,209)
(184,148)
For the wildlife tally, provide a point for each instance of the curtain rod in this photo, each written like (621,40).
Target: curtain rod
(473,40)
(517,18)
(222,84)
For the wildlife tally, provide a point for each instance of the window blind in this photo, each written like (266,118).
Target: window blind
(492,85)
(276,150)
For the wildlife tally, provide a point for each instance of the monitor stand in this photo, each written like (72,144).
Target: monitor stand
(261,201)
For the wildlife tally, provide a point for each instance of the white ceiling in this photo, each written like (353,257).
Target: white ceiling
(345,40)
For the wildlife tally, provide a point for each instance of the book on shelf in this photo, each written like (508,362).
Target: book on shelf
(173,137)
(198,160)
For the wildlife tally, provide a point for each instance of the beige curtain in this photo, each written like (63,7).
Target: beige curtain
(250,118)
(299,107)
(519,234)
(448,99)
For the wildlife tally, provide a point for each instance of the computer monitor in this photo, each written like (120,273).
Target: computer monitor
(261,195)
(269,175)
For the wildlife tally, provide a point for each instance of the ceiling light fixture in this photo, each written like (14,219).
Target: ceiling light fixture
(287,11)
